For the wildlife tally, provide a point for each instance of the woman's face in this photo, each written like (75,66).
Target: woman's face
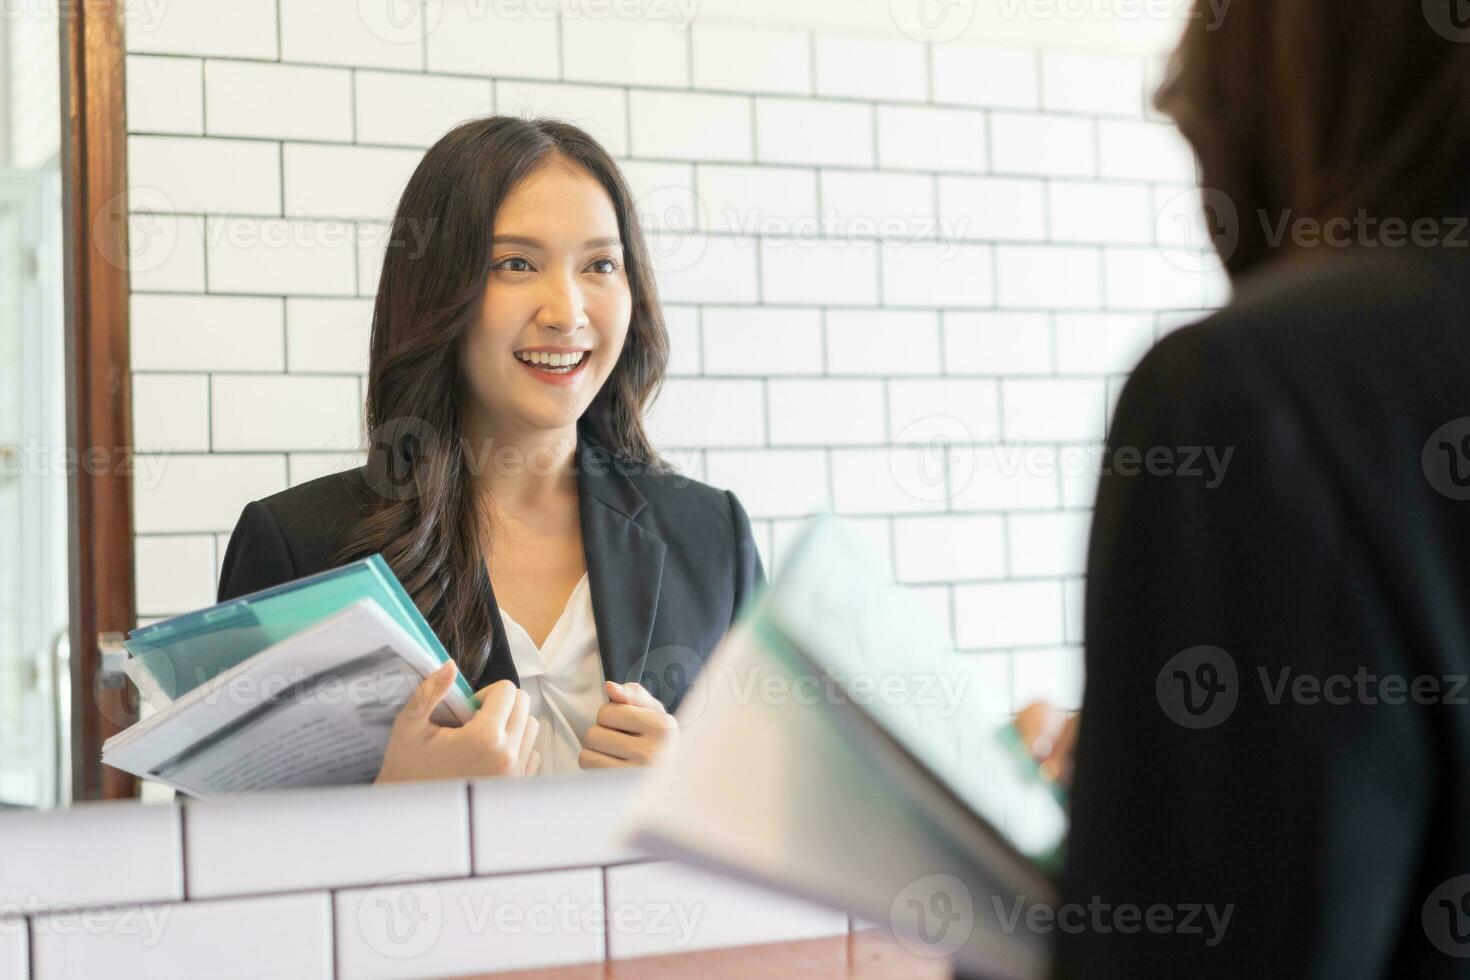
(556,306)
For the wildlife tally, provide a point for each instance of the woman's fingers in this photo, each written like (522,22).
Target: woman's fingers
(496,702)
(1039,724)
(527,745)
(619,745)
(631,693)
(427,695)
(635,720)
(533,765)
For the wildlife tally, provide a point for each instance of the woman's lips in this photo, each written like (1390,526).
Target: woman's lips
(549,375)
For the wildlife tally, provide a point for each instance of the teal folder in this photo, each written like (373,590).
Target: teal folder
(188,650)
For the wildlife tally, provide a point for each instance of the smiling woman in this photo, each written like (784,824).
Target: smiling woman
(510,483)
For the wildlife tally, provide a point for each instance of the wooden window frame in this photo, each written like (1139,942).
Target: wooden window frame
(99,379)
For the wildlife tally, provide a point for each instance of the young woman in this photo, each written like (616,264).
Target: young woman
(510,483)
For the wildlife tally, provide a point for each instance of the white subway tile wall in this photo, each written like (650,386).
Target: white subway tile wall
(903,281)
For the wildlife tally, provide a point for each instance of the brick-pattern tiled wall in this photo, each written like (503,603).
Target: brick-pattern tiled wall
(406,881)
(867,246)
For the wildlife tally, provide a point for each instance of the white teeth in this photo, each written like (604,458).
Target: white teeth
(555,363)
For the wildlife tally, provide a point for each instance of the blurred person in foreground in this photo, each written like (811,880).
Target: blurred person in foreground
(1276,719)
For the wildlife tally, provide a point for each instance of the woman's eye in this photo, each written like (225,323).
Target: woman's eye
(604,266)
(513,264)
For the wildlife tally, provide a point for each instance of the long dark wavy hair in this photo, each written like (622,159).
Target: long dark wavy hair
(418,504)
(1323,108)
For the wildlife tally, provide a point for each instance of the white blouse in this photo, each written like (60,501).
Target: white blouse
(563,678)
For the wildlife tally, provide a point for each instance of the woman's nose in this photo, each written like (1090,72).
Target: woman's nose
(563,307)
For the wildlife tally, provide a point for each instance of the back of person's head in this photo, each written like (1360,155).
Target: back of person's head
(1324,109)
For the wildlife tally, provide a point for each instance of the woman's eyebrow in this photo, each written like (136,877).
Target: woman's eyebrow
(529,242)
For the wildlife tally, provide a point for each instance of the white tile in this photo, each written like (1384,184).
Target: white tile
(14,948)
(945,274)
(997,343)
(1087,211)
(345,32)
(1095,84)
(1048,276)
(1144,151)
(602,50)
(231,176)
(511,922)
(969,409)
(830,273)
(170,412)
(809,131)
(1057,146)
(220,940)
(1081,467)
(662,907)
(752,340)
(752,59)
(871,204)
(813,413)
(226,28)
(1002,78)
(201,493)
(690,126)
(950,547)
(1049,544)
(278,256)
(1073,594)
(1053,411)
(704,268)
(915,138)
(1007,477)
(346,181)
(297,839)
(1053,675)
(664,194)
(891,342)
(700,412)
(774,482)
(871,68)
(415,110)
(90,854)
(601,111)
(887,481)
(304,467)
(758,200)
(477,38)
(1007,614)
(1102,343)
(1152,279)
(328,335)
(165,252)
(990,208)
(685,350)
(205,333)
(277,101)
(165,95)
(524,825)
(282,412)
(176,573)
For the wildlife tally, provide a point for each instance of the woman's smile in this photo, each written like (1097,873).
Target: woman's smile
(554,365)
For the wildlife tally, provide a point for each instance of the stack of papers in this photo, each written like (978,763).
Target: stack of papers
(295,685)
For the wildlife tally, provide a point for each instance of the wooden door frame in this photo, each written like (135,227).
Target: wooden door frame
(98,382)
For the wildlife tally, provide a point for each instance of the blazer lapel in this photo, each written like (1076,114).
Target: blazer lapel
(624,562)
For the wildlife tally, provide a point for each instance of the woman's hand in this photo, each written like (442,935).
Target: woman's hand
(632,729)
(1050,734)
(498,741)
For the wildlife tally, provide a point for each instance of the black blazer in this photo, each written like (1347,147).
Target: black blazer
(1338,541)
(669,562)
